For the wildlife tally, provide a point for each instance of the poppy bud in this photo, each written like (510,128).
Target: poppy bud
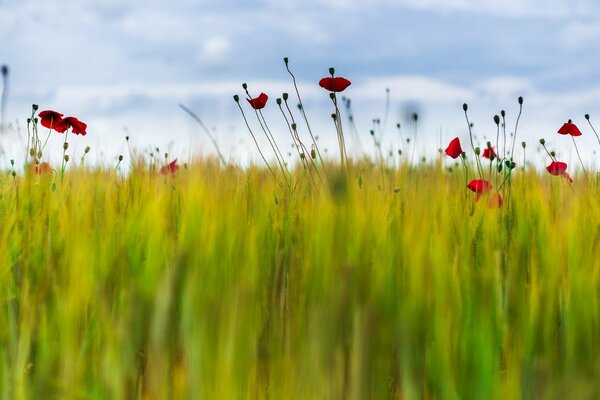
(285,60)
(313,153)
(65,145)
(66,157)
(299,106)
(477,150)
(503,113)
(372,132)
(87,149)
(513,165)
(302,156)
(553,153)
(127,138)
(35,107)
(35,121)
(398,125)
(507,163)
(14,174)
(120,158)
(166,156)
(497,119)
(32,152)
(332,95)
(542,142)
(294,125)
(415,117)
(28,120)
(523,144)
(520,100)
(465,107)
(244,86)
(236,98)
(492,156)
(39,154)
(4,70)
(463,155)
(333,116)
(12,162)
(331,70)
(285,96)
(278,101)
(399,152)
(587,116)
(499,167)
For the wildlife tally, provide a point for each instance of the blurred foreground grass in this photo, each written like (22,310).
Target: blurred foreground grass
(214,284)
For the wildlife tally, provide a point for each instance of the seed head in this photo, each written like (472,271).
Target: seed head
(66,158)
(523,144)
(278,101)
(5,70)
(120,157)
(12,162)
(503,113)
(477,151)
(332,96)
(333,116)
(87,149)
(65,145)
(244,86)
(285,96)
(294,125)
(34,107)
(542,142)
(331,70)
(587,116)
(489,145)
(520,102)
(465,107)
(285,60)
(236,98)
(553,153)
(127,138)
(497,119)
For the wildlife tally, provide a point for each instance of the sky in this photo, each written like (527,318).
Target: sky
(123,67)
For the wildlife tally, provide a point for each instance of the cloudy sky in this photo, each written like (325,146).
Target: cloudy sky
(123,67)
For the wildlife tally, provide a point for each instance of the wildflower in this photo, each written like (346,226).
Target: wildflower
(569,128)
(489,152)
(170,168)
(337,84)
(454,150)
(42,168)
(77,127)
(495,201)
(559,168)
(259,102)
(479,186)
(556,168)
(50,119)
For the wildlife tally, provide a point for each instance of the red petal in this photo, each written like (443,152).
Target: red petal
(77,127)
(567,176)
(259,102)
(556,168)
(569,129)
(488,151)
(49,114)
(479,186)
(495,201)
(454,150)
(171,168)
(337,84)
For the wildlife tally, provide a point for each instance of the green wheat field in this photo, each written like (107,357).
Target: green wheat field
(214,283)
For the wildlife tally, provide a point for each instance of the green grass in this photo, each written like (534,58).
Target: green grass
(214,283)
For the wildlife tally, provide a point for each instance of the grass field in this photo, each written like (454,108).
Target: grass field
(215,283)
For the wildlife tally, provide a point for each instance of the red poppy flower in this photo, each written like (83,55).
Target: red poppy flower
(77,127)
(337,84)
(259,102)
(170,168)
(49,118)
(488,152)
(495,201)
(479,186)
(557,168)
(569,128)
(454,150)
(43,168)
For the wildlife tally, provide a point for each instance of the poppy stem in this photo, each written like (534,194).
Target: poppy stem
(258,147)
(516,127)
(479,171)
(593,129)
(579,156)
(206,130)
(301,107)
(62,168)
